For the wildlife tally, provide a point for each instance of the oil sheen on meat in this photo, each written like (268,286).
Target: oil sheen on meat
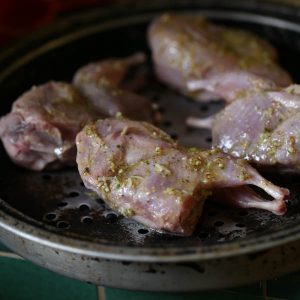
(102,83)
(207,61)
(144,174)
(39,132)
(262,127)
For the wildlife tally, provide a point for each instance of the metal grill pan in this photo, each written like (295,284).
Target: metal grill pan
(51,219)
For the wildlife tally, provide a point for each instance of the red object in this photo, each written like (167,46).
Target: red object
(18,17)
(75,4)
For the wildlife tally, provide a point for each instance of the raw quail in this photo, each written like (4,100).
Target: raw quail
(207,61)
(39,133)
(102,84)
(261,127)
(40,130)
(144,174)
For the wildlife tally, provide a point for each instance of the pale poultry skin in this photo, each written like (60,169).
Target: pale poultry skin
(144,174)
(39,133)
(207,62)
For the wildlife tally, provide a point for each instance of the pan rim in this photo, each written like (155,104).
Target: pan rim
(40,233)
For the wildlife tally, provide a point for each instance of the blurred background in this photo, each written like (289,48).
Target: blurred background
(18,18)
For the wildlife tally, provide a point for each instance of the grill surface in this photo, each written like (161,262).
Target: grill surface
(58,203)
(60,200)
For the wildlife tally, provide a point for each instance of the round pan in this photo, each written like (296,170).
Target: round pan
(51,219)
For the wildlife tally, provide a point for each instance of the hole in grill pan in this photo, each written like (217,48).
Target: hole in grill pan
(84,207)
(63,225)
(50,217)
(143,231)
(87,220)
(62,204)
(218,223)
(73,194)
(111,217)
(240,225)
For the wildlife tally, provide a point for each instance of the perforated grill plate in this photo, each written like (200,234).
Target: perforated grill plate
(59,200)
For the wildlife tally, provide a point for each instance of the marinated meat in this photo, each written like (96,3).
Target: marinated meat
(262,127)
(144,174)
(40,130)
(101,83)
(229,85)
(207,61)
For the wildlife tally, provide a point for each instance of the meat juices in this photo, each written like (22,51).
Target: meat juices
(263,127)
(207,61)
(144,174)
(102,83)
(40,130)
